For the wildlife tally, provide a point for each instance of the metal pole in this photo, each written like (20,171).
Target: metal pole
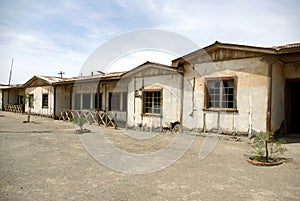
(10,73)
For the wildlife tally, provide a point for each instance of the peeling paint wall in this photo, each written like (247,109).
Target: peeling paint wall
(63,98)
(169,83)
(106,87)
(37,100)
(251,96)
(292,71)
(278,94)
(1,99)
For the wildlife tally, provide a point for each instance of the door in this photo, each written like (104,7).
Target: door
(293,106)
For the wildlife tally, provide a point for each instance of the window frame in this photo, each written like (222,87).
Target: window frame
(152,113)
(97,101)
(77,101)
(43,100)
(220,108)
(112,95)
(124,101)
(31,100)
(86,101)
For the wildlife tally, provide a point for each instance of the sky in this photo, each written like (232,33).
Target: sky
(46,37)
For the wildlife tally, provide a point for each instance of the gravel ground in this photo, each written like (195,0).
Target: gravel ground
(46,160)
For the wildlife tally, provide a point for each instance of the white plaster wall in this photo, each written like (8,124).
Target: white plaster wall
(1,104)
(252,91)
(37,102)
(171,94)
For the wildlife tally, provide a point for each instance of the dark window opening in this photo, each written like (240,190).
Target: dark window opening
(114,101)
(77,101)
(30,100)
(124,103)
(45,100)
(220,94)
(98,101)
(86,101)
(152,102)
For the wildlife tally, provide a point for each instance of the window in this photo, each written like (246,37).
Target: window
(30,100)
(20,99)
(114,101)
(86,101)
(152,102)
(98,101)
(45,101)
(77,101)
(220,93)
(124,103)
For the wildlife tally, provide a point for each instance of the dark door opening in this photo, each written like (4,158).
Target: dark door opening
(293,106)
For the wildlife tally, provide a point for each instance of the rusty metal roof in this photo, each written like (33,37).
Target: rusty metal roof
(287,46)
(52,80)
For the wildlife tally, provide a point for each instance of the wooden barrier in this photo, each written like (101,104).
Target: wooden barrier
(98,117)
(13,108)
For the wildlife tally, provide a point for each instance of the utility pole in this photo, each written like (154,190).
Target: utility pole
(10,73)
(61,73)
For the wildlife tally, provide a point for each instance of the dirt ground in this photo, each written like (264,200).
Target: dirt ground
(46,160)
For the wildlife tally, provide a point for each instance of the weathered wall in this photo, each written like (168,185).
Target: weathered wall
(158,79)
(1,104)
(106,87)
(251,97)
(278,94)
(63,98)
(37,102)
(292,71)
(10,96)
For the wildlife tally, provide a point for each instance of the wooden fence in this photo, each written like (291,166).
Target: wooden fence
(13,108)
(98,117)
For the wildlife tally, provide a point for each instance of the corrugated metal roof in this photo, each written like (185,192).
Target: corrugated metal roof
(52,80)
(287,46)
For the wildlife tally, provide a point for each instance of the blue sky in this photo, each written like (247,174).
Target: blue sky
(45,37)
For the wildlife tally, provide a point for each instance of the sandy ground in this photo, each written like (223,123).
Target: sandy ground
(46,160)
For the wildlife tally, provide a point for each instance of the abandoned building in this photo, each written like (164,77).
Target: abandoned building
(239,88)
(225,88)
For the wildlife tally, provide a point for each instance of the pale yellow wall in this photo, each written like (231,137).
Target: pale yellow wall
(278,95)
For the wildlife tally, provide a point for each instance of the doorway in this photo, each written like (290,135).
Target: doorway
(293,106)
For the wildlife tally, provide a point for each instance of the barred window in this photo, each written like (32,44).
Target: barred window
(124,101)
(152,102)
(30,100)
(77,101)
(45,100)
(221,93)
(98,101)
(86,101)
(114,101)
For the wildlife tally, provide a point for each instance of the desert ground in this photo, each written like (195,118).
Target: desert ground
(47,160)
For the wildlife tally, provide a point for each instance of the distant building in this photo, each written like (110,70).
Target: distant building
(225,88)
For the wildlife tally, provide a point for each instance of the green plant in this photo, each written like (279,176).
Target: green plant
(80,121)
(28,99)
(265,147)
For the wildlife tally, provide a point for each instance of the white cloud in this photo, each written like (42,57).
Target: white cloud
(48,36)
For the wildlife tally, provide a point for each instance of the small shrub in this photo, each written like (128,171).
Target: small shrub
(265,147)
(80,121)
